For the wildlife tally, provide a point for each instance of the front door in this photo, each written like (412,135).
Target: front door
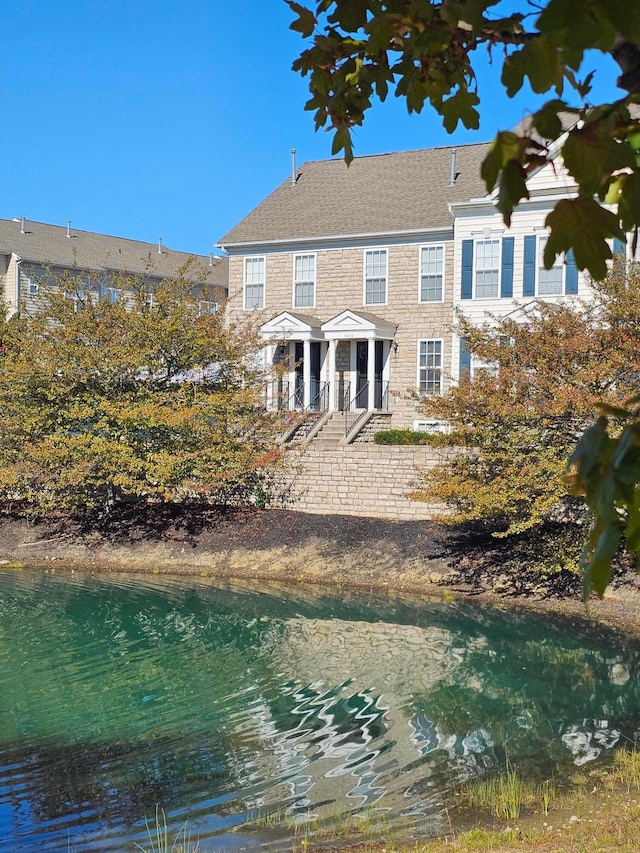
(362,384)
(379,392)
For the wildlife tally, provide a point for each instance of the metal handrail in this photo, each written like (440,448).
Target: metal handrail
(320,401)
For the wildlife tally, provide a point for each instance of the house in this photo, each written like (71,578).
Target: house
(350,272)
(32,252)
(356,275)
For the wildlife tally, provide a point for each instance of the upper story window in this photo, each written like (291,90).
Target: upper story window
(560,280)
(254,283)
(487,269)
(110,294)
(431,273)
(375,277)
(550,282)
(430,366)
(304,281)
(32,286)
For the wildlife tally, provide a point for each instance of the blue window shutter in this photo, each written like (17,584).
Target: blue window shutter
(465,358)
(466,291)
(506,280)
(571,276)
(618,246)
(529,281)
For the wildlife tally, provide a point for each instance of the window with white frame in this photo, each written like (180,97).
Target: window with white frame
(205,307)
(431,273)
(254,282)
(487,269)
(430,366)
(110,294)
(550,282)
(304,281)
(375,277)
(32,286)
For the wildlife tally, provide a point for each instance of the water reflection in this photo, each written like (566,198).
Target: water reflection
(222,705)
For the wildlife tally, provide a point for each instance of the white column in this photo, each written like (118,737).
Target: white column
(331,374)
(291,373)
(371,372)
(306,372)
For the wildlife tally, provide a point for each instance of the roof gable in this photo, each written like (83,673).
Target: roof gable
(358,324)
(290,325)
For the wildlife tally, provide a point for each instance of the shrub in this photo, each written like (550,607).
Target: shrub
(402,436)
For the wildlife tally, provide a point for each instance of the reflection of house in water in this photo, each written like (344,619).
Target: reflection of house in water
(359,738)
(390,716)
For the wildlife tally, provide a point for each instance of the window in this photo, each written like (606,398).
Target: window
(561,279)
(110,294)
(254,274)
(430,367)
(375,277)
(304,281)
(431,273)
(487,269)
(550,282)
(205,308)
(32,286)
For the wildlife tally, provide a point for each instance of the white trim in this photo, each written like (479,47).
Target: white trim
(264,283)
(477,240)
(426,368)
(396,236)
(313,255)
(442,246)
(559,263)
(365,252)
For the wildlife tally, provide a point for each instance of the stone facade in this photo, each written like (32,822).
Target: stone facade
(340,285)
(364,479)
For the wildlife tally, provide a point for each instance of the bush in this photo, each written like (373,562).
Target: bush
(402,436)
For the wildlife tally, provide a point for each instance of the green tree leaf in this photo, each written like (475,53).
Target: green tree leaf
(583,225)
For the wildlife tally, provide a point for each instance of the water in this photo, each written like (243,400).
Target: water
(244,712)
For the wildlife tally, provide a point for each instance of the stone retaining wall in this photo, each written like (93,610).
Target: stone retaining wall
(363,479)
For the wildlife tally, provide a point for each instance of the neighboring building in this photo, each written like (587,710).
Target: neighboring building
(31,252)
(500,270)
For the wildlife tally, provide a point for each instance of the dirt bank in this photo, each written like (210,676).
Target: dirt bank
(368,553)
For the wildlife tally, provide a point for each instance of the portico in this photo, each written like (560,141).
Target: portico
(342,364)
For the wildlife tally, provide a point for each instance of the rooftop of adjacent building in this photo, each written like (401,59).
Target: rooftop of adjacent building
(65,246)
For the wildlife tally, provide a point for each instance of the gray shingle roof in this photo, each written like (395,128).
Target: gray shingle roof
(384,193)
(49,244)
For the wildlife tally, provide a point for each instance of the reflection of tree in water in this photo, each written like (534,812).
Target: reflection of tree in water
(117,702)
(108,783)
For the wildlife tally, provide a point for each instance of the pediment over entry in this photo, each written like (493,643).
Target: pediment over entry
(358,324)
(291,326)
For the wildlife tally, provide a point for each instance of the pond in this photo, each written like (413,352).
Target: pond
(246,712)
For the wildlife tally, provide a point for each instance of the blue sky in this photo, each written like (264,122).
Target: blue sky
(174,119)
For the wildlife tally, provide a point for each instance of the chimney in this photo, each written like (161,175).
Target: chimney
(68,228)
(210,259)
(23,223)
(453,175)
(159,245)
(293,167)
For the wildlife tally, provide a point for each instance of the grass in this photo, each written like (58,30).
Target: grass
(599,812)
(502,795)
(627,766)
(158,840)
